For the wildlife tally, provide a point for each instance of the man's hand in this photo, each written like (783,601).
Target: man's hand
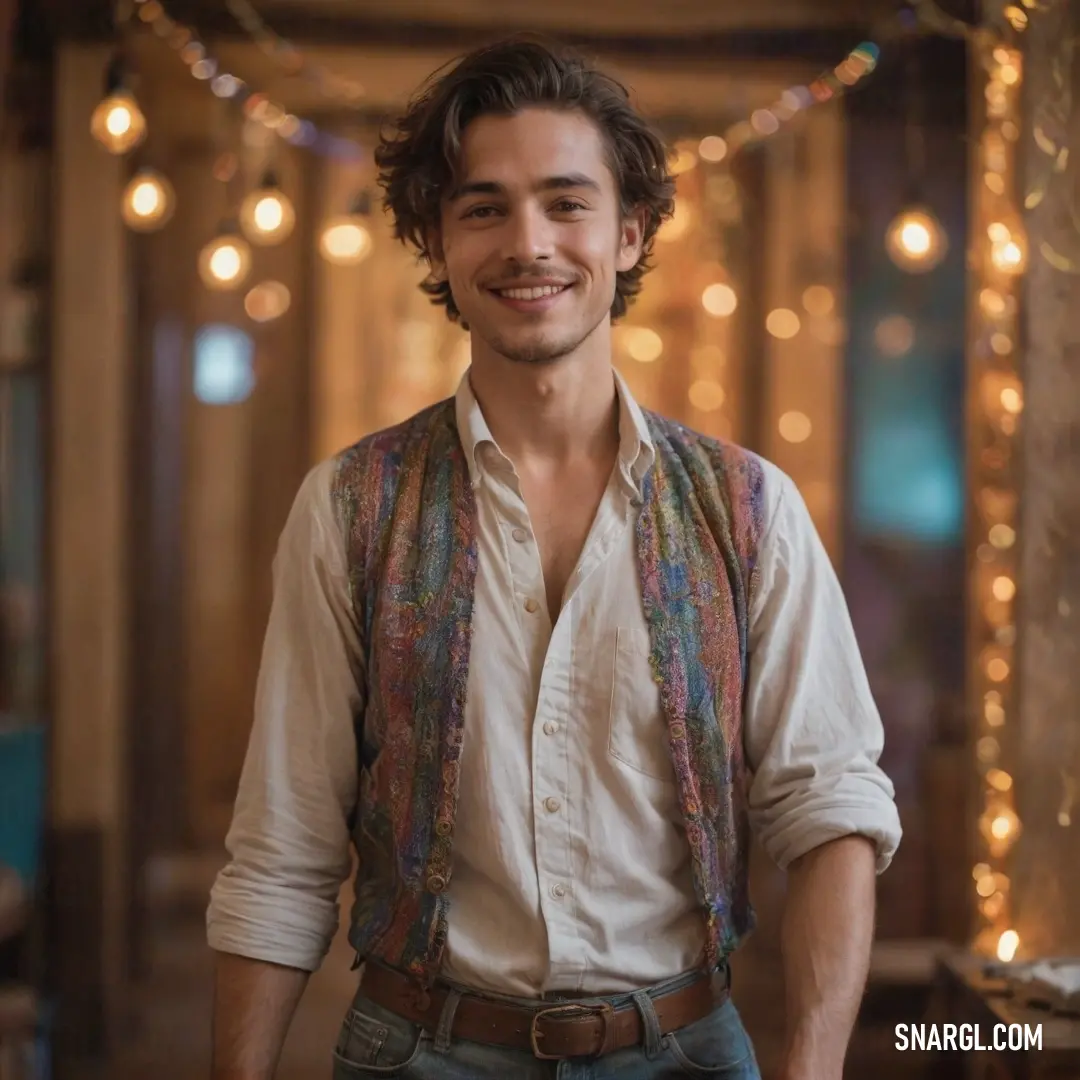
(827,932)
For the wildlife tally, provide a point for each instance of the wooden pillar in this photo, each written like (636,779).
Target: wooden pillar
(88,495)
(801,423)
(1046,874)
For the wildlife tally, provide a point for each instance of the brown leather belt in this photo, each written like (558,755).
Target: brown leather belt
(550,1030)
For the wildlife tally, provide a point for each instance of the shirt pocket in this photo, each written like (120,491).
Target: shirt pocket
(637,729)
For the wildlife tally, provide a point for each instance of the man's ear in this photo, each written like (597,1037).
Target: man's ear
(631,239)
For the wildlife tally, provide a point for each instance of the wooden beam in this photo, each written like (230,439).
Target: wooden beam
(813,43)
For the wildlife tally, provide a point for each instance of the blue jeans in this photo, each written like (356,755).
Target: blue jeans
(376,1042)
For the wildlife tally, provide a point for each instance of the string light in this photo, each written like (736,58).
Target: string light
(795,427)
(117,122)
(346,239)
(267,301)
(291,60)
(915,240)
(204,67)
(782,323)
(1000,257)
(765,123)
(148,201)
(224,263)
(643,345)
(266,214)
(719,300)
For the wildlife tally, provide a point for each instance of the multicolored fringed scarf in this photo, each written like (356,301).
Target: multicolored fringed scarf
(409,515)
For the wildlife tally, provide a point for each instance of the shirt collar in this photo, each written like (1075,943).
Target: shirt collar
(636,450)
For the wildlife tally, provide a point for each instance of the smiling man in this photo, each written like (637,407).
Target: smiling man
(547,661)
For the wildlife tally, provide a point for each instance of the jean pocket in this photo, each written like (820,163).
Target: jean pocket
(637,729)
(716,1046)
(376,1042)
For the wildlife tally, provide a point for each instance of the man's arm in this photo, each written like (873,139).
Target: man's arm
(254,1004)
(820,804)
(274,907)
(827,930)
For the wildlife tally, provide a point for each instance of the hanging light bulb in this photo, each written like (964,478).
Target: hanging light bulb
(346,239)
(225,261)
(118,122)
(266,214)
(148,201)
(915,240)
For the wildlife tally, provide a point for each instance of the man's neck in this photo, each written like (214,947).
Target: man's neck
(547,417)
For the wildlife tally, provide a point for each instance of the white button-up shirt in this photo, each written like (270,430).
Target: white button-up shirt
(571,865)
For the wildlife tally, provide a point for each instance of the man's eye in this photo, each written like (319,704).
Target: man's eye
(479,211)
(568,206)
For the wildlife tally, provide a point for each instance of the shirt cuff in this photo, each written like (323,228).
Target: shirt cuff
(270,923)
(823,816)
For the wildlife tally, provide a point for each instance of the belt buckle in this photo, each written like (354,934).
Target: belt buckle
(605,1010)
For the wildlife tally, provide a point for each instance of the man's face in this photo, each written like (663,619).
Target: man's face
(532,237)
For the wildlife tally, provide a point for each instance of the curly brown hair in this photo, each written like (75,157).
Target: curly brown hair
(418,159)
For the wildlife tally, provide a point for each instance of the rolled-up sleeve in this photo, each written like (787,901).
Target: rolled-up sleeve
(812,734)
(277,898)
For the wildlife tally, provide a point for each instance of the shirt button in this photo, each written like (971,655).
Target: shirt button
(551,805)
(520,535)
(550,728)
(558,891)
(436,883)
(531,605)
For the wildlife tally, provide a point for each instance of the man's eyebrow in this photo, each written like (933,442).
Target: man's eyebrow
(549,183)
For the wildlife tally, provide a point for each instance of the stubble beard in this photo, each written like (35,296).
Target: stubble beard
(540,350)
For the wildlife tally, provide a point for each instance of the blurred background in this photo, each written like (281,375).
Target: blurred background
(200,298)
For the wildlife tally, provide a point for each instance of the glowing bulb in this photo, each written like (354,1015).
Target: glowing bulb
(818,300)
(916,241)
(1011,401)
(795,427)
(267,301)
(1000,827)
(782,323)
(764,122)
(894,335)
(706,395)
(992,302)
(1003,588)
(719,300)
(712,148)
(266,214)
(1008,943)
(147,202)
(1002,536)
(345,241)
(225,261)
(1008,255)
(118,123)
(644,345)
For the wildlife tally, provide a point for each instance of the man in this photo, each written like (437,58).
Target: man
(545,658)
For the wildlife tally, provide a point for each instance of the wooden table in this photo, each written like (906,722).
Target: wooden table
(965,995)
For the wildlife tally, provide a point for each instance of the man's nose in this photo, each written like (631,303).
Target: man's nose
(529,236)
